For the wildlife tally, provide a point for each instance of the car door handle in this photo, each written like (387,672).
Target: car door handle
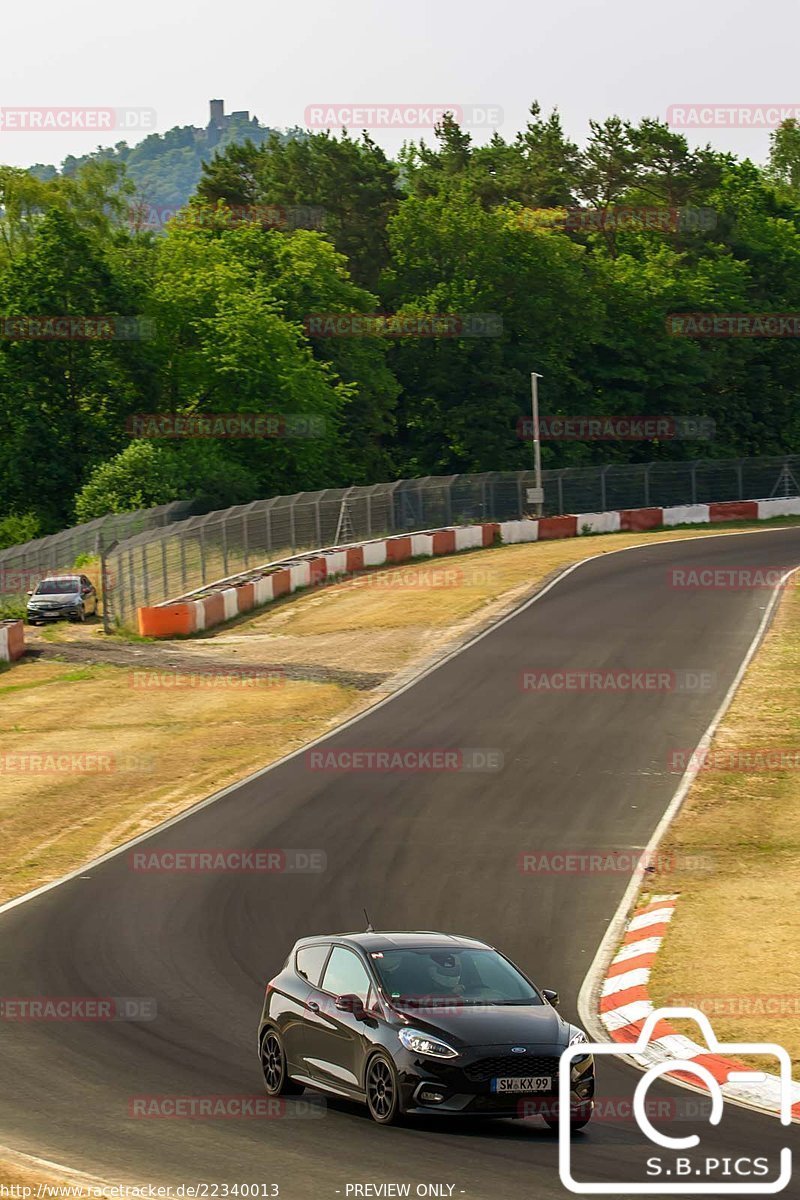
(312,1004)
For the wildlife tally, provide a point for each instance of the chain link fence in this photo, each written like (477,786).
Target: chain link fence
(21,567)
(660,484)
(183,558)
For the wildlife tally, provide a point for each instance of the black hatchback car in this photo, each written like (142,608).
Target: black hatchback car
(418,1023)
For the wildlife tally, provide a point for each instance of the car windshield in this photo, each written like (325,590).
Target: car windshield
(57,587)
(440,976)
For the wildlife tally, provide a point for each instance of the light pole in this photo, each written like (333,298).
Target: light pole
(538,497)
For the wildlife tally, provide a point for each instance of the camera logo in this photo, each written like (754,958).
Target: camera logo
(676,1170)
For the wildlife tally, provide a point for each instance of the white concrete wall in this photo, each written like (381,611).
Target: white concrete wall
(469,537)
(337,562)
(263,590)
(299,575)
(607,522)
(686,514)
(421,544)
(374,554)
(519,531)
(785,507)
(199,615)
(230,598)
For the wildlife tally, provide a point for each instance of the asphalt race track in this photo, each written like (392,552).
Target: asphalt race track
(435,850)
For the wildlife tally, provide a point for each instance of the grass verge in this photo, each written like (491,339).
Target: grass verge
(732,946)
(169,748)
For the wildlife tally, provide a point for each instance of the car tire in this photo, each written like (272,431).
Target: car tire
(79,617)
(382,1090)
(580,1117)
(273,1066)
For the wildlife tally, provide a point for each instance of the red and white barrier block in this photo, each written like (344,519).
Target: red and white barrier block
(12,640)
(625,1005)
(233,597)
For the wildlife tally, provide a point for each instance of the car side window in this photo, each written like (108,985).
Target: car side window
(309,962)
(346,975)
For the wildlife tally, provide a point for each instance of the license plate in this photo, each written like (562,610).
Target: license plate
(527,1083)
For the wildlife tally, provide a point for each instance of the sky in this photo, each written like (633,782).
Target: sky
(164,60)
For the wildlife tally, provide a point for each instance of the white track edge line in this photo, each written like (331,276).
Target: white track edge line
(215,796)
(590,988)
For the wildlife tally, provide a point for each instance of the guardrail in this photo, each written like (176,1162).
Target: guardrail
(236,595)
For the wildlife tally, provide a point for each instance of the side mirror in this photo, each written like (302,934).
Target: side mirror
(551,997)
(30,593)
(351,1004)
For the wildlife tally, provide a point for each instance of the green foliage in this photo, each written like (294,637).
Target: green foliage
(151,473)
(14,530)
(352,181)
(451,228)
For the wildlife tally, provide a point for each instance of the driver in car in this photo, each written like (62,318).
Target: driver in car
(446,975)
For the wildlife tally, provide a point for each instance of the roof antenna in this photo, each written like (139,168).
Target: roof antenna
(369,928)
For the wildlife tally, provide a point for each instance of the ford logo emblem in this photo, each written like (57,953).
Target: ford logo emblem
(519,1050)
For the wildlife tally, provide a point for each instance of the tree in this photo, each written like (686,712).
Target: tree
(149,473)
(351,180)
(784,157)
(62,401)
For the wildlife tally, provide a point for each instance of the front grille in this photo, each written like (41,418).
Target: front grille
(512,1066)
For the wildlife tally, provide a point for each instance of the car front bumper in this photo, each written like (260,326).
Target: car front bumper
(449,1087)
(54,614)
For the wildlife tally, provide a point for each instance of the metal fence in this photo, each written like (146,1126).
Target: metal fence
(22,566)
(182,558)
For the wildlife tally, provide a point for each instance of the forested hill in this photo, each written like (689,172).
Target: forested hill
(165,168)
(381,318)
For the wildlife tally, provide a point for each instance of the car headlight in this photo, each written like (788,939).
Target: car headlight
(423,1043)
(576,1038)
